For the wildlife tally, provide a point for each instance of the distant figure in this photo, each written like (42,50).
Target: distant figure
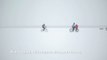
(44,27)
(106,28)
(74,27)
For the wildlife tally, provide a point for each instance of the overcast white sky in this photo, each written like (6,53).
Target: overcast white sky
(52,12)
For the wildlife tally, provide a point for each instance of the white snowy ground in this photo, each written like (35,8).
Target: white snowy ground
(57,43)
(21,44)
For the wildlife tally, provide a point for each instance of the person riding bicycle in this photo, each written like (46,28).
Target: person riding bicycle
(73,27)
(76,26)
(44,27)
